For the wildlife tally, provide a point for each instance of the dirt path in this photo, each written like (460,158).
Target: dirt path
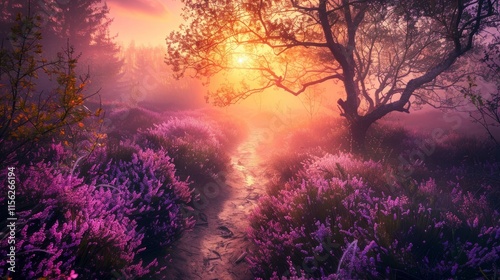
(217,246)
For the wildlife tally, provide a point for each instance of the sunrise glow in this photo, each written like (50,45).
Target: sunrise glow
(242,139)
(144,22)
(241,59)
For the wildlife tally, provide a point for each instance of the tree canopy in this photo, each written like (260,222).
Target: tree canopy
(381,52)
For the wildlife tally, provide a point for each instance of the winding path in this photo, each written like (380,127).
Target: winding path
(216,248)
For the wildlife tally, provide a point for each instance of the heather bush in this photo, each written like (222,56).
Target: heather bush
(304,141)
(154,194)
(445,234)
(111,221)
(342,165)
(310,222)
(64,226)
(284,167)
(297,143)
(453,148)
(232,127)
(345,166)
(336,220)
(193,144)
(385,142)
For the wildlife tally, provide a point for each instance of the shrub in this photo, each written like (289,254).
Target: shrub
(385,142)
(64,227)
(284,167)
(332,223)
(153,192)
(194,145)
(110,222)
(345,166)
(40,97)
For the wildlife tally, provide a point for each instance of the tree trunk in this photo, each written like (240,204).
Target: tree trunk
(358,131)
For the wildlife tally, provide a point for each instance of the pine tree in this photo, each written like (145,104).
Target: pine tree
(85,24)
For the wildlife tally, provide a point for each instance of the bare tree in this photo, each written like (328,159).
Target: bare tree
(382,53)
(483,87)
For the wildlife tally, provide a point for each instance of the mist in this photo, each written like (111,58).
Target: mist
(230,140)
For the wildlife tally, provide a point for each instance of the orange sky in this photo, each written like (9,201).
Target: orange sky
(146,22)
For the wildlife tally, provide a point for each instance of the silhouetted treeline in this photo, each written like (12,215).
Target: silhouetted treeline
(81,24)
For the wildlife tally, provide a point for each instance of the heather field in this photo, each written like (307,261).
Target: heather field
(249,140)
(200,194)
(410,207)
(117,209)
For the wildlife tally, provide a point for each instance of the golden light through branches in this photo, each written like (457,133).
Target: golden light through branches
(241,59)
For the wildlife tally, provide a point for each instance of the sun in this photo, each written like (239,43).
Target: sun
(241,59)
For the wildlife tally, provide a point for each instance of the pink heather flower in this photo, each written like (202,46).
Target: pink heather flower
(452,220)
(475,222)
(72,275)
(439,224)
(428,187)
